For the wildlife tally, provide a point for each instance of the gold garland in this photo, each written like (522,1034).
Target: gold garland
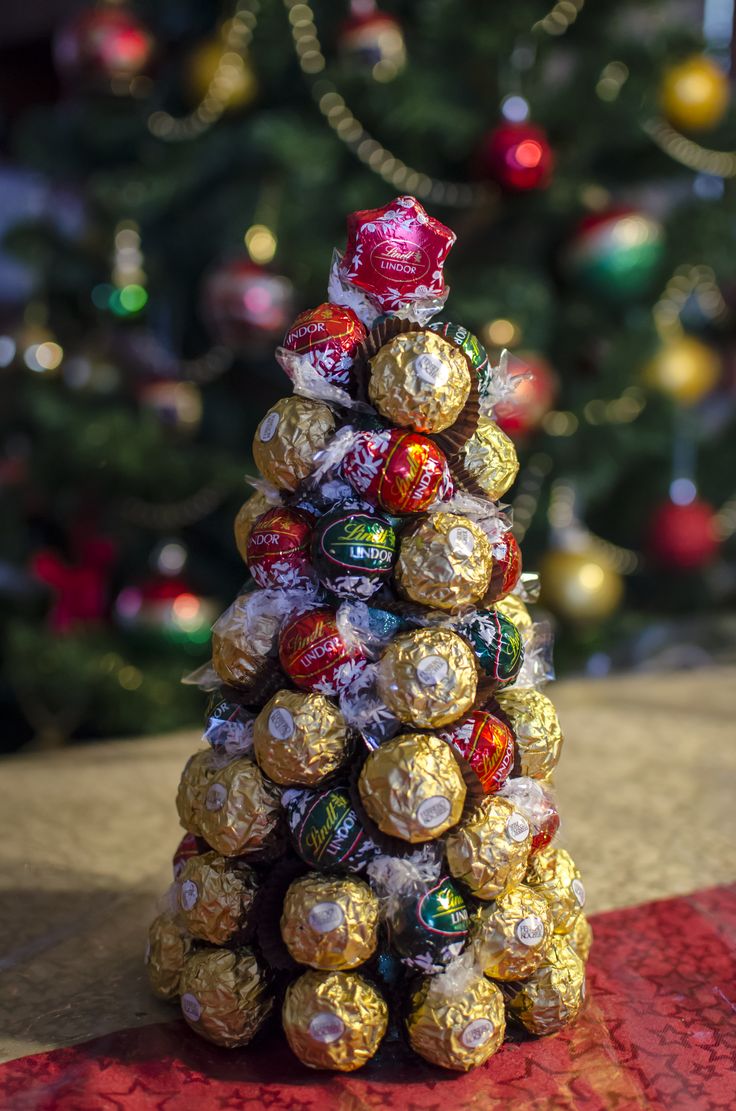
(172,516)
(718,163)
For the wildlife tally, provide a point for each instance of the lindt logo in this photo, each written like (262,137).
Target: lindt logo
(399,260)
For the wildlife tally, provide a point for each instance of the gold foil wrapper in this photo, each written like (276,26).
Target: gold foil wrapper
(539,737)
(215,897)
(288,438)
(166,952)
(580,936)
(514,609)
(418,380)
(512,935)
(252,508)
(489,851)
(334,1020)
(299,738)
(412,787)
(490,458)
(554,994)
(225,995)
(241,645)
(428,677)
(445,561)
(456,1029)
(198,773)
(553,874)
(242,810)
(330,923)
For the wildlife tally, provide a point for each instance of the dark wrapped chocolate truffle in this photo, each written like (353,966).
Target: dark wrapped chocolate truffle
(353,552)
(325,830)
(278,548)
(496,644)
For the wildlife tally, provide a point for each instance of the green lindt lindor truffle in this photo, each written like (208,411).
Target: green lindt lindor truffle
(497,646)
(353,552)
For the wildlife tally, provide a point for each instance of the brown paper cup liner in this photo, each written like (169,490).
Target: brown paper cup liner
(494,592)
(453,439)
(269,906)
(464,479)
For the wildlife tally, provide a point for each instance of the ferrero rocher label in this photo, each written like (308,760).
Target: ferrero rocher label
(538,734)
(299,738)
(511,936)
(329,922)
(251,508)
(419,380)
(428,677)
(554,994)
(334,1020)
(580,936)
(514,609)
(489,851)
(288,438)
(490,458)
(168,947)
(456,1028)
(196,777)
(225,995)
(553,874)
(215,897)
(412,787)
(242,810)
(445,561)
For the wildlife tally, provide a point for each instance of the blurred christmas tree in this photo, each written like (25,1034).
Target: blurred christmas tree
(194,165)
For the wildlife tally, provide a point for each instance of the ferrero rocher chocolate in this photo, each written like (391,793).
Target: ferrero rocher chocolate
(168,947)
(489,851)
(456,1027)
(330,922)
(537,728)
(580,936)
(511,936)
(418,380)
(428,677)
(553,874)
(198,773)
(514,610)
(444,561)
(412,787)
(490,458)
(554,994)
(288,438)
(242,810)
(251,508)
(299,738)
(215,897)
(225,995)
(242,643)
(333,1020)
(496,644)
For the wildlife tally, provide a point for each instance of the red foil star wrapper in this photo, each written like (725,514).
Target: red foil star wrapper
(395,255)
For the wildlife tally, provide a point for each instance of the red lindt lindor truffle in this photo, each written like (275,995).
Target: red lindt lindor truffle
(486,745)
(506,567)
(327,337)
(396,253)
(314,655)
(278,547)
(404,472)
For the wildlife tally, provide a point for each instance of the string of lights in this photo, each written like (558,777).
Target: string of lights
(689,153)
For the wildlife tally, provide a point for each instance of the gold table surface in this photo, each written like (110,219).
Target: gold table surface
(645,789)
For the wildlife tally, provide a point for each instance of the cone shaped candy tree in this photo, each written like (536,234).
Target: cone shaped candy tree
(370,830)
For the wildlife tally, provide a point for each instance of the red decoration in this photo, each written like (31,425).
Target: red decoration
(536,389)
(373,39)
(103,43)
(486,744)
(80,589)
(506,567)
(681,537)
(189,846)
(327,337)
(314,655)
(278,547)
(403,471)
(517,156)
(246,305)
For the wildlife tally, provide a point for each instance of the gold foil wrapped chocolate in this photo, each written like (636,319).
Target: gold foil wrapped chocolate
(412,787)
(334,1020)
(198,773)
(490,458)
(554,994)
(580,936)
(243,638)
(539,737)
(330,922)
(428,677)
(215,897)
(299,738)
(456,1026)
(225,995)
(489,851)
(418,380)
(511,936)
(553,874)
(168,947)
(288,438)
(242,810)
(514,609)
(251,508)
(445,561)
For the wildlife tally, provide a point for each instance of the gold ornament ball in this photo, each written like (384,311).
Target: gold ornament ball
(694,94)
(227,77)
(580,587)
(685,369)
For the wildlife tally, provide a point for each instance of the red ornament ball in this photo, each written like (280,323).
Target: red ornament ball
(103,44)
(517,156)
(534,396)
(682,537)
(278,548)
(245,305)
(373,40)
(314,655)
